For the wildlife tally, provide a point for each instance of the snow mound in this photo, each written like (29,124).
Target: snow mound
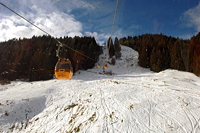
(131,99)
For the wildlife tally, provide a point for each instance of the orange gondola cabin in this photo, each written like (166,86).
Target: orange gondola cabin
(63,69)
(98,66)
(105,66)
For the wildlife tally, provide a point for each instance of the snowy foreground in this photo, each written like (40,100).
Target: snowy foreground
(131,100)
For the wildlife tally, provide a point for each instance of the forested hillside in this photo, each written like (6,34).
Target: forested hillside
(159,52)
(35,58)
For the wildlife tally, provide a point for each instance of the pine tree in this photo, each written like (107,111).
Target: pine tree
(117,48)
(111,47)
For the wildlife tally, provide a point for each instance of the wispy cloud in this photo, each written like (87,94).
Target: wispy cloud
(192,17)
(70,5)
(135,26)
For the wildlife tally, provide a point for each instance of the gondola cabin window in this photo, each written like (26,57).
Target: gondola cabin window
(64,66)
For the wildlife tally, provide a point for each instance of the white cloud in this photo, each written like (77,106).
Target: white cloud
(118,34)
(192,17)
(56,23)
(185,36)
(102,37)
(55,18)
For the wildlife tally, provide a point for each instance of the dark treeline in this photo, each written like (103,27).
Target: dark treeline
(159,52)
(35,58)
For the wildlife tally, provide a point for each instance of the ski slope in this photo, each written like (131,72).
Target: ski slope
(131,100)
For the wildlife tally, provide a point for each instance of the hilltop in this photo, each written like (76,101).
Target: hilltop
(129,99)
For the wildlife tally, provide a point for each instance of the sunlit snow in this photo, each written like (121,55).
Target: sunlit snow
(131,100)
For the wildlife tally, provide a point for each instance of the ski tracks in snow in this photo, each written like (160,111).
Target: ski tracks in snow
(184,102)
(146,104)
(132,100)
(151,105)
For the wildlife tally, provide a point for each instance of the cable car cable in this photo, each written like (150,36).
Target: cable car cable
(61,44)
(114,20)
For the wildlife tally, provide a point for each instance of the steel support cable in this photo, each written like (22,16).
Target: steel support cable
(113,24)
(25,19)
(61,44)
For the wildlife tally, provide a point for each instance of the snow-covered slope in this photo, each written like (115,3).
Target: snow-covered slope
(131,100)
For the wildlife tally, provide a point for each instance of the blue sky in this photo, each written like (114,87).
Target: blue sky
(177,18)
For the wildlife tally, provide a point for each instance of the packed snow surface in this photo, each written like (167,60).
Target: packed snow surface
(127,99)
